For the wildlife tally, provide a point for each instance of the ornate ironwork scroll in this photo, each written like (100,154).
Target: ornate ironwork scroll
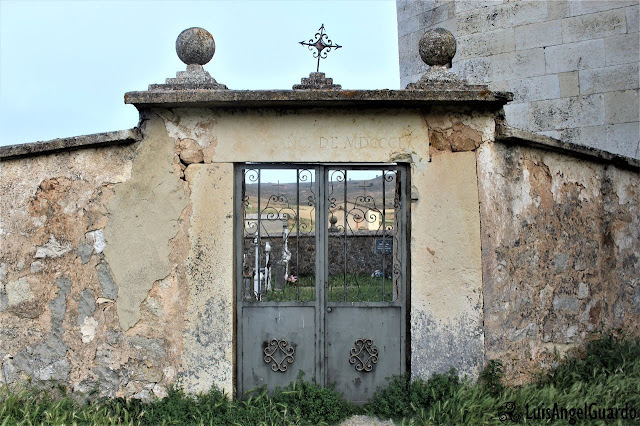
(322,44)
(364,355)
(275,349)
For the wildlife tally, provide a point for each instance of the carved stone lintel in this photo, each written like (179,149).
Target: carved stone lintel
(317,81)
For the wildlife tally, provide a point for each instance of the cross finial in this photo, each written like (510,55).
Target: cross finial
(278,185)
(323,45)
(364,188)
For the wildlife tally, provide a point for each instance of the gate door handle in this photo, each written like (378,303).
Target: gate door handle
(329,309)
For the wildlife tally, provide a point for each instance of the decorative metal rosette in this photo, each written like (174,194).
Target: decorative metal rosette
(364,355)
(278,353)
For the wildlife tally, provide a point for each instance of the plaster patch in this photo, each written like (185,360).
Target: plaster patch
(521,203)
(143,216)
(52,248)
(207,357)
(97,240)
(565,170)
(18,291)
(88,329)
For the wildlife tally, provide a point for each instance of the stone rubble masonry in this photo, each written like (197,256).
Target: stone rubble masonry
(550,54)
(560,253)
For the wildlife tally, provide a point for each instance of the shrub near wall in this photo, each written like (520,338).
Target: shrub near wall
(606,373)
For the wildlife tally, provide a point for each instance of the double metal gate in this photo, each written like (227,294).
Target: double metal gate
(322,268)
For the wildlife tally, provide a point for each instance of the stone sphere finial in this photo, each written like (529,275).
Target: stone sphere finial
(195,46)
(437,47)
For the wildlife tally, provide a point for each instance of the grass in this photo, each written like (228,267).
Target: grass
(606,373)
(360,288)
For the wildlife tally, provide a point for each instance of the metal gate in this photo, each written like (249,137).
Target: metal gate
(322,270)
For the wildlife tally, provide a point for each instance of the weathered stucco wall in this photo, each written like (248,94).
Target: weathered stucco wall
(143,217)
(560,252)
(208,356)
(116,268)
(92,284)
(446,278)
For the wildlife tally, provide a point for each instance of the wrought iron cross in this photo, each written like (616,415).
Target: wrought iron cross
(278,185)
(323,45)
(364,188)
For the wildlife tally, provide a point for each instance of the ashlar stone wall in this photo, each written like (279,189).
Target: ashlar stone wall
(571,64)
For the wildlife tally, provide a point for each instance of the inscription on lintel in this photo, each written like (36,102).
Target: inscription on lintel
(347,142)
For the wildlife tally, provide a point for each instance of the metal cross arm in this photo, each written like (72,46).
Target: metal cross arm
(322,44)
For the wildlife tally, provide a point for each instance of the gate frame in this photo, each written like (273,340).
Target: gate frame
(321,270)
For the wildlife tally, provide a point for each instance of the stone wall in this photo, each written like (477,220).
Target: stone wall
(114,278)
(560,253)
(361,255)
(117,265)
(571,64)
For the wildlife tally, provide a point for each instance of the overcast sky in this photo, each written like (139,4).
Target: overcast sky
(65,65)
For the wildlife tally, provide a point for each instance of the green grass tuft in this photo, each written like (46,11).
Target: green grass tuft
(606,372)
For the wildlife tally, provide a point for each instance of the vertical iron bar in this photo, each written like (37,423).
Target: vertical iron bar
(384,230)
(321,269)
(297,235)
(239,219)
(345,236)
(259,295)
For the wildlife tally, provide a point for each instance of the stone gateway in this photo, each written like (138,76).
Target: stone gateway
(235,238)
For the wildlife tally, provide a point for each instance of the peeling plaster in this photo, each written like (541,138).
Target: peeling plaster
(143,215)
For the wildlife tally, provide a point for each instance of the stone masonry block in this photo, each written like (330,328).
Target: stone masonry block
(574,56)
(469,23)
(520,64)
(499,86)
(408,45)
(567,112)
(412,65)
(528,12)
(485,44)
(474,70)
(535,88)
(497,17)
(468,5)
(408,8)
(436,15)
(609,79)
(624,139)
(557,9)
(633,18)
(622,49)
(538,35)
(582,7)
(517,115)
(621,107)
(595,25)
(408,26)
(450,25)
(569,84)
(594,136)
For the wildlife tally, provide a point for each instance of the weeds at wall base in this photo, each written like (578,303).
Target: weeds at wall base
(607,373)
